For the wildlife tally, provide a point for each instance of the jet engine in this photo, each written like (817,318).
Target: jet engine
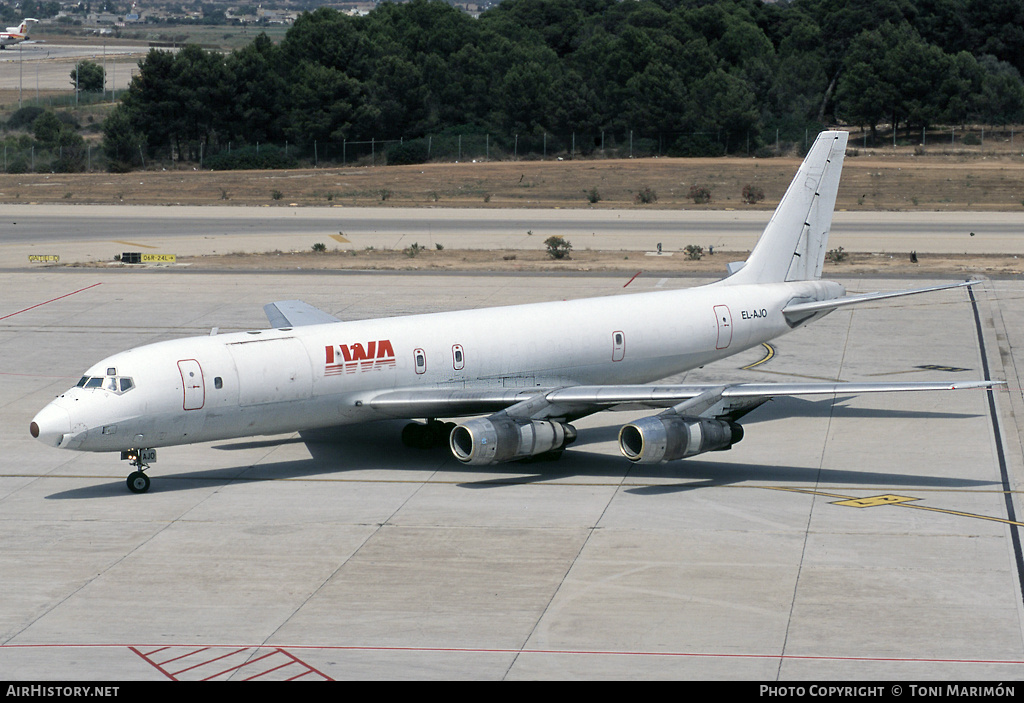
(667,437)
(500,438)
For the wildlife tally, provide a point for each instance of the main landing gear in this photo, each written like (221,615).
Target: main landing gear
(427,436)
(138,481)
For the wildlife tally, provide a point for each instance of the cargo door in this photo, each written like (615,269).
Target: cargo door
(272,371)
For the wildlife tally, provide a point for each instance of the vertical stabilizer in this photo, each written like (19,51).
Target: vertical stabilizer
(793,245)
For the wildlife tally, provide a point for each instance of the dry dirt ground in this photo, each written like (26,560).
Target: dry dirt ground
(626,263)
(941,181)
(935,181)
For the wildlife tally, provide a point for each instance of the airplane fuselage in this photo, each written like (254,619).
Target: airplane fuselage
(283,380)
(15,35)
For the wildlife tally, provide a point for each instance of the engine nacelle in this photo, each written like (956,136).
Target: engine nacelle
(668,437)
(495,439)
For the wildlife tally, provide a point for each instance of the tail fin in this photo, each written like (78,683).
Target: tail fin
(792,247)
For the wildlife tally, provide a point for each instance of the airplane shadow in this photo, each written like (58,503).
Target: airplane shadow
(780,408)
(376,447)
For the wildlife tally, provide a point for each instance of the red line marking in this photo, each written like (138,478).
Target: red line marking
(153,663)
(50,301)
(187,654)
(207,661)
(236,668)
(299,661)
(270,671)
(627,282)
(457,650)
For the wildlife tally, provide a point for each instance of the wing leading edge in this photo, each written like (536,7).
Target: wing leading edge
(582,400)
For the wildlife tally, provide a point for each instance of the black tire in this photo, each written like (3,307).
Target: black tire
(426,436)
(138,482)
(414,435)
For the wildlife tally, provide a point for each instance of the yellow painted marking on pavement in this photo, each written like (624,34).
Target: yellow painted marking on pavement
(1003,520)
(769,353)
(919,369)
(339,238)
(872,501)
(894,500)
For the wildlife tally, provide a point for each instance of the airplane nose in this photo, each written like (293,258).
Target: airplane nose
(50,425)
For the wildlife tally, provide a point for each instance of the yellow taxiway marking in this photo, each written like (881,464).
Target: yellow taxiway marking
(769,353)
(133,244)
(339,238)
(872,501)
(919,369)
(890,499)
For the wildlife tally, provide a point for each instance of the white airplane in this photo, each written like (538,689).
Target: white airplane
(16,35)
(530,369)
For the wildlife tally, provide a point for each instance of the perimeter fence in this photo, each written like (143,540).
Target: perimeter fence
(23,154)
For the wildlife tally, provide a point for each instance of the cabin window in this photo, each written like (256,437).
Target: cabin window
(458,360)
(420,358)
(218,383)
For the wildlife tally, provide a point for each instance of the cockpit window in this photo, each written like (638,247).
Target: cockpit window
(114,384)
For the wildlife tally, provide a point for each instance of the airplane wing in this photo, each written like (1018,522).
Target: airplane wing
(295,313)
(577,401)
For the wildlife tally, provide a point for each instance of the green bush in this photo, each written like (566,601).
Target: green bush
(700,194)
(646,196)
(558,247)
(692,145)
(23,118)
(752,194)
(413,151)
(251,157)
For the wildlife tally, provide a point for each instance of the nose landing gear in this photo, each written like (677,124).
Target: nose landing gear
(138,481)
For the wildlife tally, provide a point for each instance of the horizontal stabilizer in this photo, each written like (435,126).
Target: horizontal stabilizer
(295,313)
(801,311)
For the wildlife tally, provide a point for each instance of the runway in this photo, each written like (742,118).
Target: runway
(88,233)
(47,66)
(845,538)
